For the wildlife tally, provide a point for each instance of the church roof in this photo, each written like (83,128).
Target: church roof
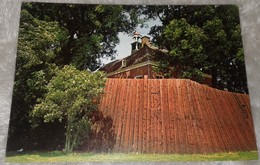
(146,53)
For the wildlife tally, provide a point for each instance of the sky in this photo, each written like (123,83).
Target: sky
(124,46)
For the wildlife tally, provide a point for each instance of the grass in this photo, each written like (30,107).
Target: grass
(58,156)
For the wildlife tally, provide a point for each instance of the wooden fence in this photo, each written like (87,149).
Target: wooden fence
(176,116)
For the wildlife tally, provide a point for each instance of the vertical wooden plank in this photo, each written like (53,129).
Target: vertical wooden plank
(170,117)
(211,100)
(222,118)
(189,147)
(145,118)
(191,117)
(151,115)
(107,96)
(157,118)
(156,113)
(164,113)
(148,125)
(124,115)
(136,123)
(140,114)
(119,134)
(116,116)
(211,120)
(247,116)
(187,118)
(183,129)
(109,103)
(200,137)
(200,124)
(244,123)
(127,116)
(232,133)
(132,128)
(206,119)
(103,96)
(174,123)
(234,113)
(215,120)
(114,102)
(167,134)
(178,117)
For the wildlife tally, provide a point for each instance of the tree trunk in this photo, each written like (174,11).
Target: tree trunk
(68,145)
(214,78)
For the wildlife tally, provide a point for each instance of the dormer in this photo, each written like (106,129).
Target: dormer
(124,63)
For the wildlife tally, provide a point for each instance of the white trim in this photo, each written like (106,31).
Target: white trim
(141,65)
(131,67)
(139,77)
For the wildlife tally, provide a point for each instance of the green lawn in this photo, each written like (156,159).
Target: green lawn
(57,156)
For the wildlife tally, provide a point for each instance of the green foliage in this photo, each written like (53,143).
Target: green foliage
(206,38)
(39,41)
(185,42)
(38,45)
(71,96)
(92,29)
(54,35)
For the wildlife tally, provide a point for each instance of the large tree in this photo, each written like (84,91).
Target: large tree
(71,96)
(222,47)
(38,45)
(93,29)
(50,37)
(185,43)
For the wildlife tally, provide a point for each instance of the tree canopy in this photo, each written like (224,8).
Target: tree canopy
(38,45)
(92,29)
(71,96)
(52,36)
(207,38)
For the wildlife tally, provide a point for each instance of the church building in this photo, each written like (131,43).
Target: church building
(141,63)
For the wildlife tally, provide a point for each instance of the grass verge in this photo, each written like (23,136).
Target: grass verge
(58,156)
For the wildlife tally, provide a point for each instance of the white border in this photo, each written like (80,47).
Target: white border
(9,22)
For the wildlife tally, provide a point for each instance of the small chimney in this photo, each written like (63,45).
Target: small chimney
(145,40)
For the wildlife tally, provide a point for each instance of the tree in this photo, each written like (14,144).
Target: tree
(38,44)
(50,37)
(71,96)
(92,29)
(185,43)
(222,46)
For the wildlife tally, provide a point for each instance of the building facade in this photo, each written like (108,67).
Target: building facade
(141,63)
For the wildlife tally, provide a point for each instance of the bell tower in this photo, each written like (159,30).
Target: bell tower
(136,44)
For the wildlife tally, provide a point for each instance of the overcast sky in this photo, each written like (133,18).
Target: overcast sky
(124,47)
